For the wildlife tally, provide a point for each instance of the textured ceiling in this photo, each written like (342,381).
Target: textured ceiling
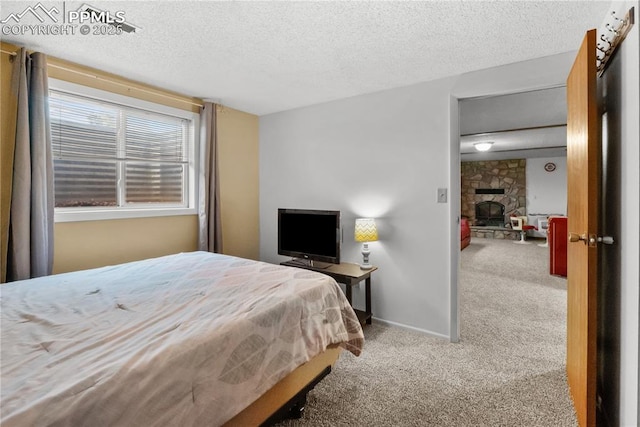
(264,57)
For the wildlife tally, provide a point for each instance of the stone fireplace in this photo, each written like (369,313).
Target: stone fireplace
(500,182)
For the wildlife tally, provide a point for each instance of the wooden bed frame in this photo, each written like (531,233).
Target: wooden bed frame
(286,399)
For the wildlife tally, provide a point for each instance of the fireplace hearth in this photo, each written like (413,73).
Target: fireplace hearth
(490,214)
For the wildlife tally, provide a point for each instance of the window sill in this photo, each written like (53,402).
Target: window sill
(77,215)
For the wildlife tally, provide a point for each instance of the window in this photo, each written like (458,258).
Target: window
(119,157)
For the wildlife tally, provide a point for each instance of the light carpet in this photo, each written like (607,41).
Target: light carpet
(507,370)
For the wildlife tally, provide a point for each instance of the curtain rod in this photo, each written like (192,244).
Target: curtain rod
(152,92)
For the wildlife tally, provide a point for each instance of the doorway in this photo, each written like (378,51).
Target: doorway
(526,125)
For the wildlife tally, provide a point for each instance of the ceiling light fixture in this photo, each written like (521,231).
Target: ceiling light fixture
(483,146)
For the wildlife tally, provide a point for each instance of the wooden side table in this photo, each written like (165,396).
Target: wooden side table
(350,275)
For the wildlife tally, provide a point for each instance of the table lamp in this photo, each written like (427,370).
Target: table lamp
(366,232)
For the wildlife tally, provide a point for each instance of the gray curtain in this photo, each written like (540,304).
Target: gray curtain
(30,251)
(210,223)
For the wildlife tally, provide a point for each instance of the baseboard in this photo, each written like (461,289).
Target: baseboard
(411,328)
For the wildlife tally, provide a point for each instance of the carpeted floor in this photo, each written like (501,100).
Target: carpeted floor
(507,370)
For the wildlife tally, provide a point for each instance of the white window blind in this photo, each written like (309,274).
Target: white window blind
(108,155)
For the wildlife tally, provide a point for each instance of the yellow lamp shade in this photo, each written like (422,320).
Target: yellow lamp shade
(366,230)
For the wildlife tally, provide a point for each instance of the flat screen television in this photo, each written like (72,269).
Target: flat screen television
(312,235)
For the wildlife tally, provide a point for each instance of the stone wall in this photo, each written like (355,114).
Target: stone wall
(508,175)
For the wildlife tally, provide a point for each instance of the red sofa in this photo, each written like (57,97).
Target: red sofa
(465,233)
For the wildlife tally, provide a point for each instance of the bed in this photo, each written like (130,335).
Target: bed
(187,339)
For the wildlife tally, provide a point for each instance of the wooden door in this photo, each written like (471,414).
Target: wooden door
(583,180)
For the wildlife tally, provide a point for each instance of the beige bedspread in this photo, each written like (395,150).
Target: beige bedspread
(188,339)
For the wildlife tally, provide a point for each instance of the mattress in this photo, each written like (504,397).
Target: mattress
(187,339)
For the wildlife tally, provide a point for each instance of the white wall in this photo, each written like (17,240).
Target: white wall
(546,191)
(384,155)
(381,155)
(629,56)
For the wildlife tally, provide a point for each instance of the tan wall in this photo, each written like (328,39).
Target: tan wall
(88,244)
(239,196)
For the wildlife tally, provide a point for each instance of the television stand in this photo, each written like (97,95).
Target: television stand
(350,275)
(304,263)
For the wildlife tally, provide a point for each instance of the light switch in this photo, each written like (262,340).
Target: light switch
(442,195)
